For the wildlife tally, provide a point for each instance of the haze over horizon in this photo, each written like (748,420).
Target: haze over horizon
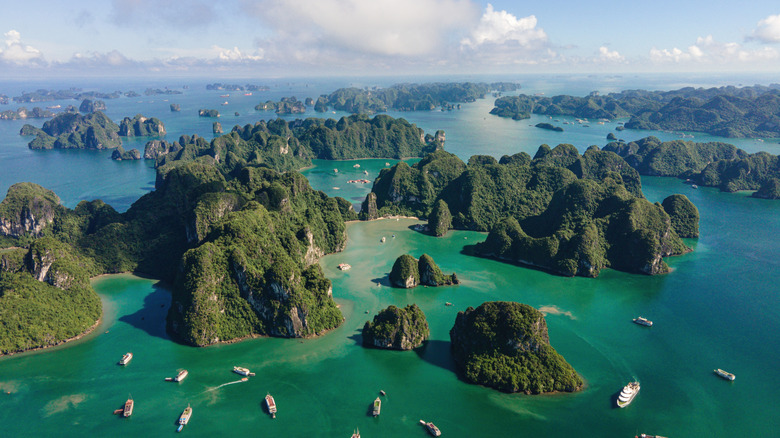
(335,37)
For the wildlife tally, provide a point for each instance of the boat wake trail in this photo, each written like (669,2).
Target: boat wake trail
(225,384)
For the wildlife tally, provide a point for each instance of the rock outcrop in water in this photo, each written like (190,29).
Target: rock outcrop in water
(505,345)
(397,329)
(409,272)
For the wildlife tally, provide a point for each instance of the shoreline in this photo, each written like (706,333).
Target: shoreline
(65,341)
(383,217)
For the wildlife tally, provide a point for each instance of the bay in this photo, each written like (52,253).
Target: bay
(717,309)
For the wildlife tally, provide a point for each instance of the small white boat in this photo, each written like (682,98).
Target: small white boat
(243,371)
(627,394)
(643,321)
(725,374)
(344,266)
(431,428)
(271,404)
(126,359)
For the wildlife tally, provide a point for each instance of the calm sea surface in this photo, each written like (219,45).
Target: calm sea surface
(717,309)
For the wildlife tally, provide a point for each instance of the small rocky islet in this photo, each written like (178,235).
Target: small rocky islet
(408,272)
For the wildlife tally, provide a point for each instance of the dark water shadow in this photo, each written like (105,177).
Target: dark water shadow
(151,317)
(470,250)
(357,337)
(383,280)
(437,353)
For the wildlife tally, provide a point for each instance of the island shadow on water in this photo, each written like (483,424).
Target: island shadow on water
(437,353)
(151,317)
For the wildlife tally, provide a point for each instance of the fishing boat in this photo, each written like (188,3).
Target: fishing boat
(431,428)
(643,321)
(382,392)
(377,406)
(627,394)
(271,404)
(184,418)
(243,371)
(724,374)
(128,409)
(126,359)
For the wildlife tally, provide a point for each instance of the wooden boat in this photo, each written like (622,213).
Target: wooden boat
(128,409)
(184,418)
(377,407)
(271,404)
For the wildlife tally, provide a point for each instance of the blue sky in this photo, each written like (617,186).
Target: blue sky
(316,37)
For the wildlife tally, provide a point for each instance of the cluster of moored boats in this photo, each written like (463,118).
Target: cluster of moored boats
(127,410)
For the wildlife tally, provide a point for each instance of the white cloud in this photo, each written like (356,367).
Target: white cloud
(376,27)
(768,30)
(236,55)
(16,52)
(709,51)
(610,55)
(153,13)
(501,27)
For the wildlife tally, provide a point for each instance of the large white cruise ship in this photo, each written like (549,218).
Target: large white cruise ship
(627,394)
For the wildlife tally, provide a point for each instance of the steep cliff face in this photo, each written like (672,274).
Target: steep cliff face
(27,210)
(505,345)
(397,329)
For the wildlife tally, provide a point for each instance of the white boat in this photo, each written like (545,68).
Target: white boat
(243,371)
(128,409)
(344,266)
(184,418)
(382,239)
(431,428)
(126,359)
(627,394)
(181,376)
(725,374)
(271,404)
(377,406)
(643,321)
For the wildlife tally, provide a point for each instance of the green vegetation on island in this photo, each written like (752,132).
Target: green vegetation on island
(71,130)
(505,345)
(567,213)
(549,127)
(408,97)
(91,105)
(23,113)
(208,113)
(712,164)
(397,329)
(287,105)
(725,111)
(292,145)
(409,272)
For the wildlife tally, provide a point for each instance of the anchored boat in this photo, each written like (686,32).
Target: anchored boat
(431,428)
(126,359)
(128,409)
(643,321)
(377,406)
(184,418)
(271,404)
(243,371)
(725,374)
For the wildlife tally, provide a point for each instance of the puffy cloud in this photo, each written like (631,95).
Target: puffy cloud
(92,59)
(377,27)
(501,27)
(610,55)
(15,52)
(768,30)
(709,51)
(236,55)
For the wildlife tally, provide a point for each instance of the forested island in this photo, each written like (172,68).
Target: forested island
(24,113)
(237,240)
(394,328)
(712,164)
(408,97)
(292,145)
(725,111)
(505,345)
(286,105)
(567,213)
(408,272)
(71,130)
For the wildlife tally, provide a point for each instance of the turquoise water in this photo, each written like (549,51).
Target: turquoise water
(717,309)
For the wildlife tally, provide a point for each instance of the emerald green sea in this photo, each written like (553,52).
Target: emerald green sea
(718,308)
